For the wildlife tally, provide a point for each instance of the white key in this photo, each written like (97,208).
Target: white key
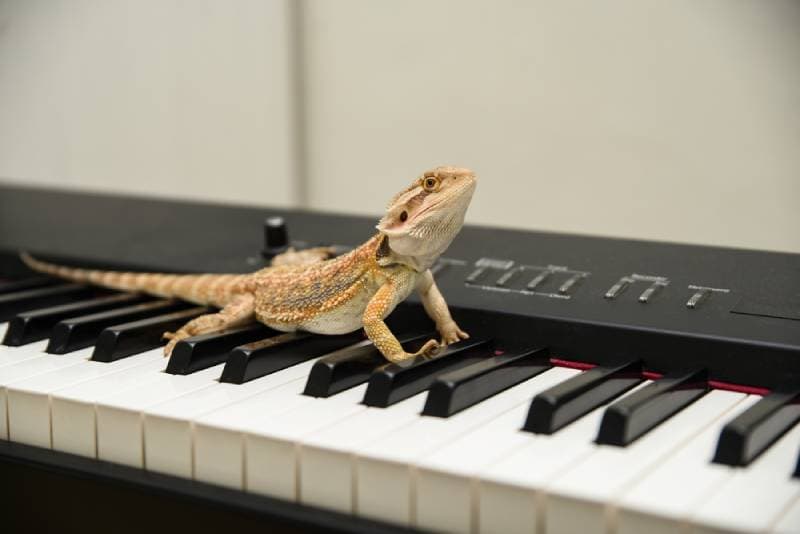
(14,355)
(661,501)
(120,436)
(508,491)
(385,467)
(29,400)
(445,478)
(34,363)
(271,443)
(582,498)
(789,523)
(754,498)
(327,459)
(169,426)
(218,439)
(3,328)
(73,411)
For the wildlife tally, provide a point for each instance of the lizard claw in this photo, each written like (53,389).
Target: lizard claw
(451,333)
(430,349)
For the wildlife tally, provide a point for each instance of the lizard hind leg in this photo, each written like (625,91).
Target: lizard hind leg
(237,312)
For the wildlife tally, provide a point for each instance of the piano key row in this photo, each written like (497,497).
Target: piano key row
(326,448)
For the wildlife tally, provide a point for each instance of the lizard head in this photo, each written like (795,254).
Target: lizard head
(422,220)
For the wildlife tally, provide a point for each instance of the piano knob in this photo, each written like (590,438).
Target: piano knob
(276,237)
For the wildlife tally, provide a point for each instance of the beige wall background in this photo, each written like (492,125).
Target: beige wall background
(659,120)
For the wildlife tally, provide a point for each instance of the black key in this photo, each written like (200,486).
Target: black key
(261,358)
(13,286)
(566,402)
(29,299)
(754,430)
(36,325)
(201,352)
(81,332)
(123,340)
(457,390)
(394,382)
(352,366)
(797,468)
(629,418)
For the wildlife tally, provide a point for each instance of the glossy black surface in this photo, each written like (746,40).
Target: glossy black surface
(394,382)
(260,358)
(567,401)
(13,286)
(36,325)
(631,417)
(460,389)
(353,365)
(17,302)
(81,332)
(201,352)
(744,438)
(123,340)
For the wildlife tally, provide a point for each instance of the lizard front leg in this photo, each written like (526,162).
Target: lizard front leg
(436,308)
(380,334)
(238,311)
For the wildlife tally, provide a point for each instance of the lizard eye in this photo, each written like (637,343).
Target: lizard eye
(403,216)
(430,184)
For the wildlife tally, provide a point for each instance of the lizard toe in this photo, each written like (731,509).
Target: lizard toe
(451,333)
(430,349)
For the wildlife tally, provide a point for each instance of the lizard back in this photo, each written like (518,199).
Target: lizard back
(288,297)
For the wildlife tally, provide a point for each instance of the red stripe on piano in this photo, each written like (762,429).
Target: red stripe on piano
(650,375)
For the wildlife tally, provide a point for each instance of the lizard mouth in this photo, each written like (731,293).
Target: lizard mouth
(425,210)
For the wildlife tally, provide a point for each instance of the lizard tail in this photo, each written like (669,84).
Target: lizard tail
(216,289)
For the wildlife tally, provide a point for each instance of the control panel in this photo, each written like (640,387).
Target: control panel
(565,283)
(551,281)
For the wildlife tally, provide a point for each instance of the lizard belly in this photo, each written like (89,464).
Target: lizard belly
(349,316)
(342,319)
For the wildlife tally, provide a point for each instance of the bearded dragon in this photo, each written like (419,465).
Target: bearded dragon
(303,291)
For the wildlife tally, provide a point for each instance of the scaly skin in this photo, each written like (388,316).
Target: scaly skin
(305,291)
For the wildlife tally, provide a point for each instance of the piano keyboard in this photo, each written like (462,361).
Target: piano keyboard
(488,437)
